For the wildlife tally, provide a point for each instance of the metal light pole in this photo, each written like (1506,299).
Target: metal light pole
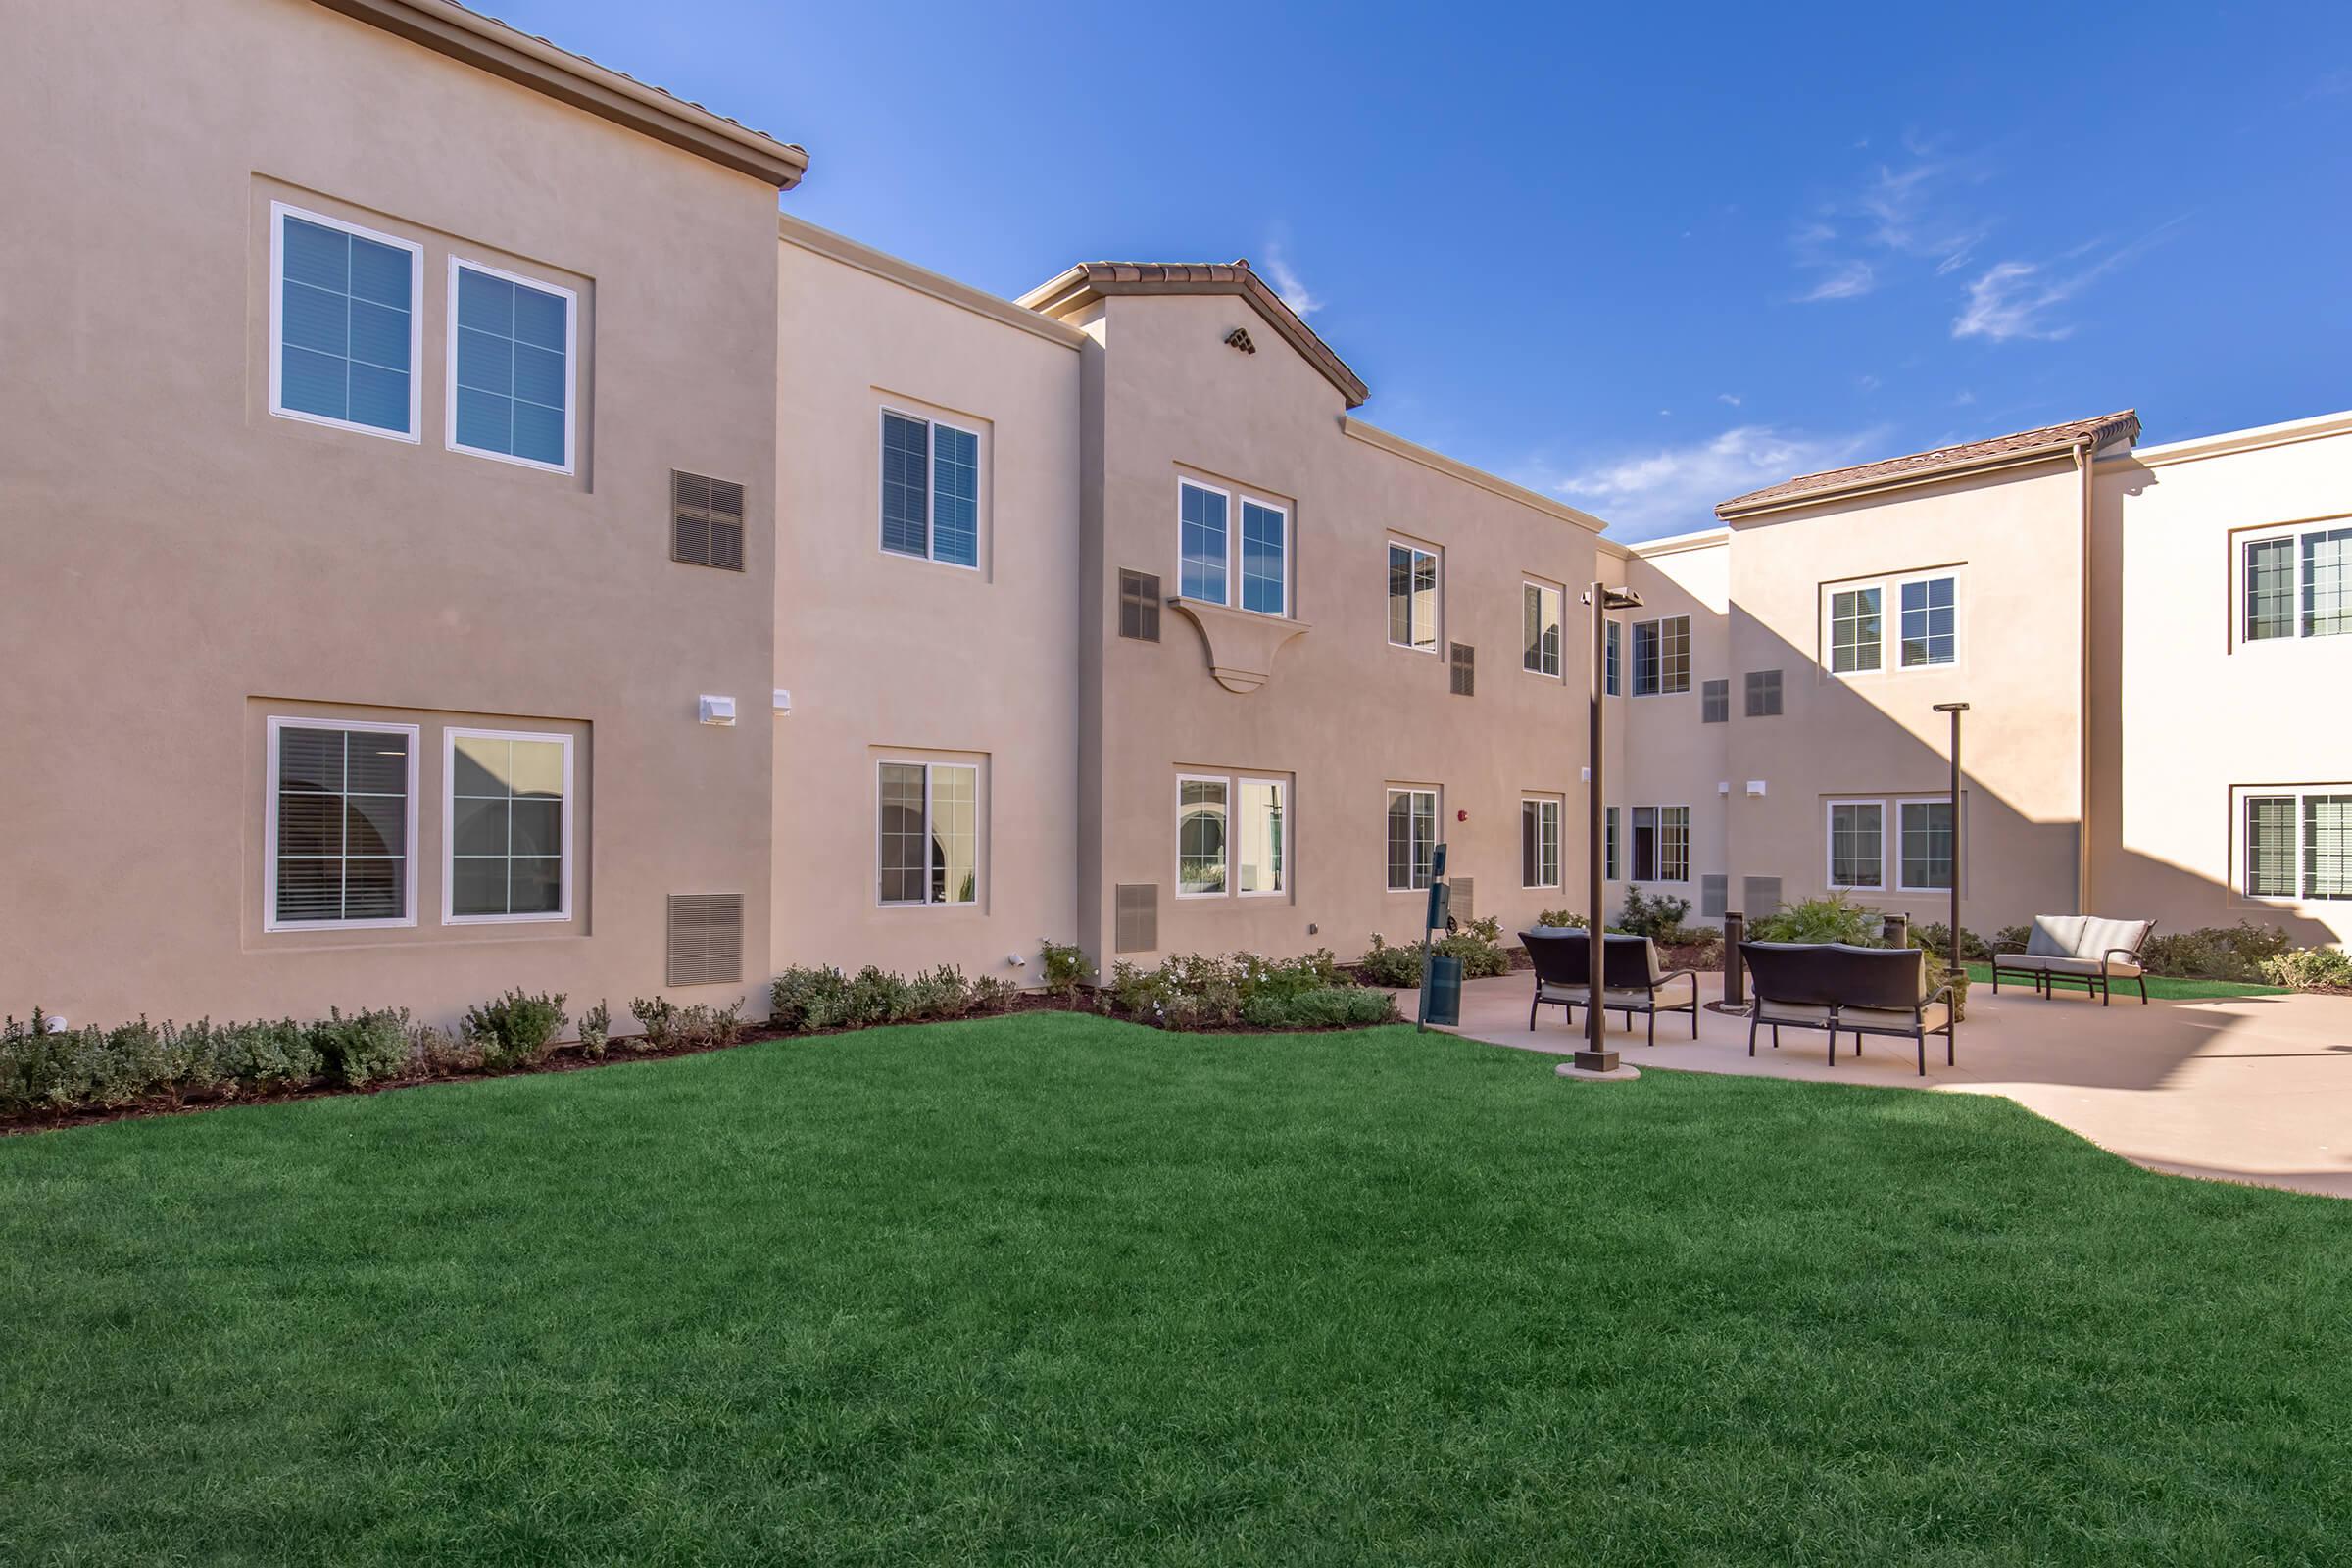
(1959,955)
(1596,1056)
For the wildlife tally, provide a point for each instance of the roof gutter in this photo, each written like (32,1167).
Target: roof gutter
(1730,510)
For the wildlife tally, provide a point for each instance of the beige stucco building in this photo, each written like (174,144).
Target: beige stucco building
(468,585)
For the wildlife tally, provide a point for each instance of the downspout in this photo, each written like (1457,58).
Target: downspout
(2083,887)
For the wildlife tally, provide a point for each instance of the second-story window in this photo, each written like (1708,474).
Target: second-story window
(1246,568)
(1854,634)
(1540,625)
(1663,656)
(2297,582)
(510,367)
(1615,640)
(1412,597)
(930,489)
(344,324)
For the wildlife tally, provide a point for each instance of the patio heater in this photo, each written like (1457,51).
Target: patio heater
(1596,1056)
(1959,956)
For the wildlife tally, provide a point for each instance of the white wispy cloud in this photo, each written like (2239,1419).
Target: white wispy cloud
(1911,212)
(1732,398)
(1849,280)
(1288,284)
(2021,300)
(1672,489)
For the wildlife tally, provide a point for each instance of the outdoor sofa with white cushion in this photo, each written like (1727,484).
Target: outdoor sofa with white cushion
(1630,977)
(2081,947)
(1829,985)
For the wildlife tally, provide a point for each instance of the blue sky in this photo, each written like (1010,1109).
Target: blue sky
(1640,258)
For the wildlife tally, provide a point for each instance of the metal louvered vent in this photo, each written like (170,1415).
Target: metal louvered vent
(1761,894)
(1139,605)
(1135,917)
(1714,895)
(1465,670)
(1464,901)
(706,939)
(705,521)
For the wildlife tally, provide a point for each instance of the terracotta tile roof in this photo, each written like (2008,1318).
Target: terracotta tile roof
(2095,433)
(1089,280)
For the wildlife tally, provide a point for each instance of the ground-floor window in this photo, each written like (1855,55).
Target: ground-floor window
(509,794)
(1412,837)
(342,825)
(1662,844)
(1858,843)
(2296,843)
(1232,835)
(1540,842)
(1608,836)
(929,832)
(1925,861)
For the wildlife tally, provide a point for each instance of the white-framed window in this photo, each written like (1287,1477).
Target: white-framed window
(927,832)
(1540,841)
(339,836)
(1857,846)
(1412,837)
(1663,656)
(1539,613)
(2295,583)
(931,489)
(508,823)
(1233,835)
(1412,595)
(2294,842)
(1923,845)
(1245,566)
(1662,844)
(512,357)
(346,336)
(1921,611)
(1615,640)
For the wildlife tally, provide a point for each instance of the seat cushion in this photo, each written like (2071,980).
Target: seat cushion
(2028,960)
(1807,1013)
(2055,936)
(2100,936)
(2119,969)
(1932,1017)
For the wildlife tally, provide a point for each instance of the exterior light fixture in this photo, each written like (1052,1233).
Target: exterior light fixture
(1597,1056)
(719,711)
(1958,956)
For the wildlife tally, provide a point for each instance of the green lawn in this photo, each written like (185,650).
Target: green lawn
(1050,1289)
(2160,988)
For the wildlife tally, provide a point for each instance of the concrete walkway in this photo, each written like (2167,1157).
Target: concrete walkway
(2251,1089)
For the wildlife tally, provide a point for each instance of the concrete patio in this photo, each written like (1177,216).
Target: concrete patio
(2250,1089)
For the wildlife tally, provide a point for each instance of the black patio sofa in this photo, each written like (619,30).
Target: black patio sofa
(1630,978)
(1828,985)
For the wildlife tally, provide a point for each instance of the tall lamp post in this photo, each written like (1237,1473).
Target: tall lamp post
(1959,956)
(1596,1056)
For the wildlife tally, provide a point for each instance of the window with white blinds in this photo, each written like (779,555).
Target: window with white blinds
(342,825)
(930,489)
(343,325)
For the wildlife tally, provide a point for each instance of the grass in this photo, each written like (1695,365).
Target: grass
(1054,1290)
(2161,987)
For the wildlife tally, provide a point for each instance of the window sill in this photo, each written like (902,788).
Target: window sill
(1241,643)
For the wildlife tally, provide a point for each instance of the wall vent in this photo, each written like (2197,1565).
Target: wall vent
(1759,896)
(1465,670)
(706,939)
(705,521)
(1763,693)
(1139,605)
(1135,917)
(1714,892)
(1464,903)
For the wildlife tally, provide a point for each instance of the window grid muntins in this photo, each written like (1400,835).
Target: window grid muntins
(1412,598)
(505,826)
(1929,632)
(341,849)
(2327,846)
(1200,818)
(1854,635)
(1608,855)
(1763,693)
(1540,625)
(956,496)
(2270,845)
(1202,542)
(1614,638)
(1412,838)
(1857,831)
(1260,850)
(1663,656)
(2269,588)
(346,326)
(1674,843)
(511,368)
(1926,848)
(1264,545)
(1715,702)
(929,833)
(930,490)
(1540,843)
(2327,583)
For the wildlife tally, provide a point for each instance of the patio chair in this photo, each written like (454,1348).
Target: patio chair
(1828,985)
(1631,979)
(2086,949)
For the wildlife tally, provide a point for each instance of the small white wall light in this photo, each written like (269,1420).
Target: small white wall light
(719,710)
(783,701)
(1755,786)
(1016,961)
(1724,788)
(1586,774)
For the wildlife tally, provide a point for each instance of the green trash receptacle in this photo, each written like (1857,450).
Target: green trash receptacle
(1441,997)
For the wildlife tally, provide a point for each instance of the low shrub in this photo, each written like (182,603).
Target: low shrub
(1324,1007)
(1198,991)
(363,1048)
(1383,965)
(1479,945)
(2012,939)
(595,1032)
(993,994)
(697,1026)
(2216,952)
(48,1069)
(1658,917)
(805,999)
(802,993)
(2310,969)
(517,1029)
(1835,918)
(1063,967)
(436,1052)
(941,992)
(1938,938)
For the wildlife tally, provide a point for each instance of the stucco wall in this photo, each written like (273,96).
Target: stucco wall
(181,562)
(2185,710)
(1669,757)
(890,655)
